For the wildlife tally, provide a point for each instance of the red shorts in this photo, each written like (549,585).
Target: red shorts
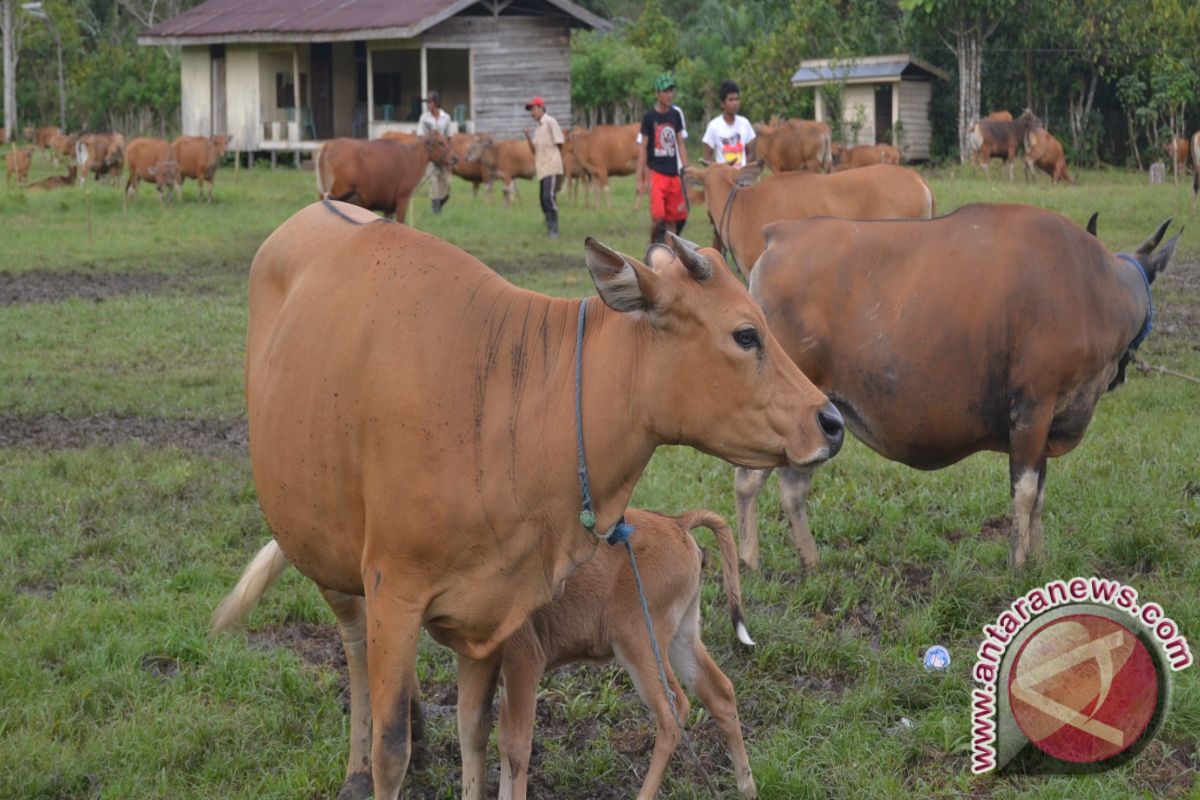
(666,197)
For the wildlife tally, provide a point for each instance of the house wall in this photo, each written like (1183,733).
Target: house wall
(917,138)
(195,90)
(512,59)
(242,93)
(852,98)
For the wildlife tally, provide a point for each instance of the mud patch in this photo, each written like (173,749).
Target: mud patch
(58,432)
(996,528)
(319,646)
(52,286)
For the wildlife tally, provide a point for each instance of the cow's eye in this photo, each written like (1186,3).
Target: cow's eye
(747,338)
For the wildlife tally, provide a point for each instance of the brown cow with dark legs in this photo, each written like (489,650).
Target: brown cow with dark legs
(380,174)
(102,154)
(1045,152)
(864,155)
(797,144)
(997,327)
(507,160)
(739,204)
(596,618)
(1177,153)
(16,162)
(152,160)
(436,483)
(604,151)
(990,139)
(199,157)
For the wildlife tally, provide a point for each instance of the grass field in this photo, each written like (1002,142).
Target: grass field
(127,511)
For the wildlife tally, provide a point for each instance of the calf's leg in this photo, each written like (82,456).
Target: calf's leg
(748,483)
(524,665)
(794,483)
(637,656)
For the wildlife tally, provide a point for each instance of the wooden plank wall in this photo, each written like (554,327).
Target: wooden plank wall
(513,59)
(914,116)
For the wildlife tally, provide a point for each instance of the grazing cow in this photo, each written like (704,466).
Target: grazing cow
(1195,168)
(797,144)
(436,482)
(199,157)
(1045,152)
(1177,151)
(1000,116)
(16,162)
(506,160)
(54,181)
(62,144)
(739,207)
(574,173)
(102,154)
(606,150)
(468,168)
(990,139)
(152,160)
(997,327)
(43,138)
(864,156)
(598,617)
(380,174)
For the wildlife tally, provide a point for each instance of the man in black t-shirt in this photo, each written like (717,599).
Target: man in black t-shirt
(660,160)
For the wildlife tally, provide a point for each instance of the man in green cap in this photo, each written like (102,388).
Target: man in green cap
(661,159)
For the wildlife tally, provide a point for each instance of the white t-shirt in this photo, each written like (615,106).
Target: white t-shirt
(728,142)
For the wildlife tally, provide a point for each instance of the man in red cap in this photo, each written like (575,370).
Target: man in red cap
(546,142)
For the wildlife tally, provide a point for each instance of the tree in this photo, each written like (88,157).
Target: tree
(970,23)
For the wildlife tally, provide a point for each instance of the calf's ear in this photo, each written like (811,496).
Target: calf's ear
(623,284)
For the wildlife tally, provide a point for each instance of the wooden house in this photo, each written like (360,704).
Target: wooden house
(886,98)
(288,74)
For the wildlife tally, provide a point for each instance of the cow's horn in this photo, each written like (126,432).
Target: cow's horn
(1152,241)
(689,253)
(1091,226)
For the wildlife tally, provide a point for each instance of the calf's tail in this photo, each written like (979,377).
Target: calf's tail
(323,186)
(730,577)
(264,570)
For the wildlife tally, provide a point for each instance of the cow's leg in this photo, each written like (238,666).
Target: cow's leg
(476,688)
(1010,162)
(748,483)
(794,483)
(524,664)
(700,673)
(394,629)
(351,617)
(637,657)
(1027,474)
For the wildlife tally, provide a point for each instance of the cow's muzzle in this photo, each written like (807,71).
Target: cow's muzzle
(833,426)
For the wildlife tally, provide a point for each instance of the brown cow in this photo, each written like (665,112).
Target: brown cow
(380,174)
(62,144)
(102,154)
(506,160)
(990,139)
(16,162)
(606,150)
(1177,149)
(739,207)
(54,181)
(1045,152)
(1000,116)
(797,144)
(1195,168)
(997,327)
(154,160)
(199,157)
(864,155)
(574,173)
(465,167)
(44,137)
(437,481)
(597,617)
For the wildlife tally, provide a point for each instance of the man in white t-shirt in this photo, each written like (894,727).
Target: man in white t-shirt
(435,120)
(729,138)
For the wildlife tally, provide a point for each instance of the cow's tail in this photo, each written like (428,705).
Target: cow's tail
(826,151)
(930,202)
(263,571)
(730,577)
(323,185)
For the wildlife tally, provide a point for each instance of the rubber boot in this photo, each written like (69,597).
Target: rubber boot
(552,224)
(437,206)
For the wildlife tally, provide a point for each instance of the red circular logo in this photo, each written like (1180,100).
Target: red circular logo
(1083,688)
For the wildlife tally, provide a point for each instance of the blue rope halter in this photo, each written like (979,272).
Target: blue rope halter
(1148,325)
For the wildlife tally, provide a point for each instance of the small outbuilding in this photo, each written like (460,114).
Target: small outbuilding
(886,98)
(286,75)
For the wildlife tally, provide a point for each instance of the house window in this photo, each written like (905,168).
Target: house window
(396,84)
(285,95)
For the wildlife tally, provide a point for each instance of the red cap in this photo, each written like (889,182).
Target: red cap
(536,101)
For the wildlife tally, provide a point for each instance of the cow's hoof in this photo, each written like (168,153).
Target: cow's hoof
(358,786)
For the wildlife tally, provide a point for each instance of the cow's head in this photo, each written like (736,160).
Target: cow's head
(481,143)
(1152,264)
(717,179)
(709,372)
(439,150)
(221,143)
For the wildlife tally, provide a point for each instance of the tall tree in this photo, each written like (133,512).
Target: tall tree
(964,26)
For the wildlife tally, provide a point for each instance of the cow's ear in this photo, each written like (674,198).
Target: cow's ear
(748,174)
(1158,262)
(624,284)
(694,177)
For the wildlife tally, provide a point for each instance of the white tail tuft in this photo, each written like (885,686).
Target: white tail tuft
(263,571)
(743,635)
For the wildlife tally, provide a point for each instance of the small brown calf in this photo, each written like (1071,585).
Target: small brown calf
(55,181)
(598,617)
(16,162)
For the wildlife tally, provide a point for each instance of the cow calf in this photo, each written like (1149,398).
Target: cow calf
(16,162)
(598,617)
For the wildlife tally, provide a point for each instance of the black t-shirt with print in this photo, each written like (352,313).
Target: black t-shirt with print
(660,135)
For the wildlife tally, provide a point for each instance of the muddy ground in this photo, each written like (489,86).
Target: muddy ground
(226,437)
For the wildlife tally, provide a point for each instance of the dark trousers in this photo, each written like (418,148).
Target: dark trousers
(550,201)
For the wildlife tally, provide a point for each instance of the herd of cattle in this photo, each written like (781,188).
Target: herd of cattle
(107,155)
(468,443)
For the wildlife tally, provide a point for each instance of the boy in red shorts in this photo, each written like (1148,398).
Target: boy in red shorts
(660,160)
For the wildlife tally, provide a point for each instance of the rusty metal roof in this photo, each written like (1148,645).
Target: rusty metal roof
(332,20)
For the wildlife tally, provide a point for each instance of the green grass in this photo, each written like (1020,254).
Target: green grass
(112,558)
